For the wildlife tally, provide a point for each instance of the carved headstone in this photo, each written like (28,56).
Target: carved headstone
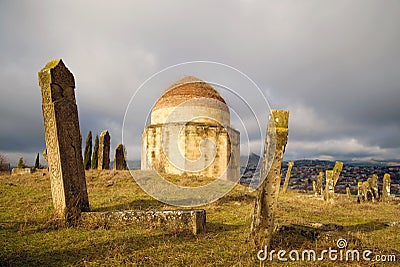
(119,159)
(329,186)
(367,191)
(360,192)
(267,196)
(104,151)
(348,194)
(373,184)
(337,169)
(319,184)
(63,142)
(287,177)
(386,187)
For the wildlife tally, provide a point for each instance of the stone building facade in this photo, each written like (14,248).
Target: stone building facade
(190,133)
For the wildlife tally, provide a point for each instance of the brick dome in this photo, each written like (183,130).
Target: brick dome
(194,90)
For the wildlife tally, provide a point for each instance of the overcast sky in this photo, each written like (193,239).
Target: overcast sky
(335,65)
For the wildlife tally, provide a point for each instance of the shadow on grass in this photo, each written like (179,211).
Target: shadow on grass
(365,227)
(215,227)
(90,252)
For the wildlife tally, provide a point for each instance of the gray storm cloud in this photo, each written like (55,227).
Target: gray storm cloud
(333,64)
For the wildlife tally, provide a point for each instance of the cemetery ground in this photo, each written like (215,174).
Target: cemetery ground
(29,235)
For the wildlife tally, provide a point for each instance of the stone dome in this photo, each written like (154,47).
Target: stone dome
(190,98)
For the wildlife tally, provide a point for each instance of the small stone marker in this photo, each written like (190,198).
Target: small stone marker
(360,192)
(63,142)
(348,194)
(314,187)
(104,151)
(287,177)
(386,187)
(119,159)
(319,184)
(329,186)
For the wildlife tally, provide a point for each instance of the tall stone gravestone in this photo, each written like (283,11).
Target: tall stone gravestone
(337,169)
(104,151)
(63,141)
(263,218)
(119,159)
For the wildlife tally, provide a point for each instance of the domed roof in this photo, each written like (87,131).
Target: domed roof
(188,89)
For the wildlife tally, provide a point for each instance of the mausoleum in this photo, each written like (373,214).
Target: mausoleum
(190,133)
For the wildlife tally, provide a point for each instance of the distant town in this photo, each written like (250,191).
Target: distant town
(306,171)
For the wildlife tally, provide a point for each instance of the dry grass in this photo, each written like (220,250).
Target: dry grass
(30,237)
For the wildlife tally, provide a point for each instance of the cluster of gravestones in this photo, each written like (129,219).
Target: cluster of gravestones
(369,191)
(332,177)
(101,154)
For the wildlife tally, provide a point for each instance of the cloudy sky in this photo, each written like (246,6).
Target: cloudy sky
(335,65)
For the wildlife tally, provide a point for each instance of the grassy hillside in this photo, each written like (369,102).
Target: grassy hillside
(30,237)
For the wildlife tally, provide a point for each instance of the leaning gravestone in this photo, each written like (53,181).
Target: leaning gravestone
(337,169)
(287,177)
(119,159)
(104,151)
(63,142)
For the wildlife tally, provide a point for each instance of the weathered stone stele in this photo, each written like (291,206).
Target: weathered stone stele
(314,187)
(329,186)
(348,194)
(63,142)
(119,159)
(386,187)
(360,192)
(337,169)
(319,184)
(373,184)
(287,177)
(367,192)
(262,225)
(104,151)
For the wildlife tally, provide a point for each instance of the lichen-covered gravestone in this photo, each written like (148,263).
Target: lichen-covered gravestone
(337,169)
(373,184)
(360,192)
(119,159)
(287,177)
(319,184)
(63,142)
(386,187)
(262,224)
(104,151)
(329,186)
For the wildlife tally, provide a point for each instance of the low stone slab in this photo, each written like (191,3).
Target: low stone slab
(192,220)
(21,171)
